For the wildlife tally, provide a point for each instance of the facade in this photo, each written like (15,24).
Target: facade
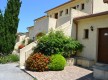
(30,30)
(83,20)
(61,17)
(93,34)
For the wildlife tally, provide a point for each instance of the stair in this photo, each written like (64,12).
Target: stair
(25,53)
(100,71)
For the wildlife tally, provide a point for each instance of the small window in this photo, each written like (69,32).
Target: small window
(77,6)
(86,34)
(74,7)
(82,6)
(61,13)
(50,15)
(56,15)
(67,11)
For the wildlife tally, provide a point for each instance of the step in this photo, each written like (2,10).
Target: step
(101,71)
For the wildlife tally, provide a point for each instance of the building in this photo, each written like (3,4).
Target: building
(30,30)
(84,20)
(80,19)
(61,17)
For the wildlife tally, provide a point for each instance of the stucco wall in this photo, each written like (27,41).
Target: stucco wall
(41,26)
(52,24)
(88,7)
(66,23)
(91,44)
(99,6)
(31,32)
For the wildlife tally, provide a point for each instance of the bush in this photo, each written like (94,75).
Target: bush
(37,62)
(13,58)
(3,60)
(58,62)
(56,42)
(9,58)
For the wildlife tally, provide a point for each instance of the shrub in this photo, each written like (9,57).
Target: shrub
(13,58)
(58,62)
(9,58)
(56,42)
(3,60)
(37,62)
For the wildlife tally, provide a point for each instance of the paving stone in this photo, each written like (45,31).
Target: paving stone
(69,73)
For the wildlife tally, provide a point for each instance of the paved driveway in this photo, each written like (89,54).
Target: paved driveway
(11,71)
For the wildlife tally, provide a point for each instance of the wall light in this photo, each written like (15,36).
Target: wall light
(91,28)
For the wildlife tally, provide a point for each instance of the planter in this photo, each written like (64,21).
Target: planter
(71,61)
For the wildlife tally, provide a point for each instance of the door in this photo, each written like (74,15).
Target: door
(103,46)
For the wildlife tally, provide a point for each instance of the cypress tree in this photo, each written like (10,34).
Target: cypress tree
(11,21)
(1,31)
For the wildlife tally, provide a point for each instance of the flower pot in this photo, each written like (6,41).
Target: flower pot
(70,61)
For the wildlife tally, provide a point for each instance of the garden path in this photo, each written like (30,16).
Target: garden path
(69,73)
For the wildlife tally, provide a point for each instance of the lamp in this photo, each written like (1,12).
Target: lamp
(91,28)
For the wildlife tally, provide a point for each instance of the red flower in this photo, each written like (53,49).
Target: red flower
(21,46)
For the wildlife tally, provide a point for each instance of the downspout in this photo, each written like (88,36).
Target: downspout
(92,6)
(76,23)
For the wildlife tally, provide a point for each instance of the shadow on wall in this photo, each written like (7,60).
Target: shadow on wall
(40,35)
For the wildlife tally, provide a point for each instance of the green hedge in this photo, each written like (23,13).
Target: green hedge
(57,62)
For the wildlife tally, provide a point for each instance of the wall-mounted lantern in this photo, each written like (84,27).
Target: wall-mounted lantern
(91,28)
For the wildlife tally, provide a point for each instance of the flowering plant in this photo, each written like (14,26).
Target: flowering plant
(37,62)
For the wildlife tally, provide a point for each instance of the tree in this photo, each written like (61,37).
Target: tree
(10,26)
(1,31)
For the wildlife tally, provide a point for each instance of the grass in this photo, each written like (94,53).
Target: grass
(9,58)
(35,79)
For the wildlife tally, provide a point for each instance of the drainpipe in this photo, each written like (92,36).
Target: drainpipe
(76,23)
(92,6)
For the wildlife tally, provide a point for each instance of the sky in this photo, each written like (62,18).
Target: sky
(32,9)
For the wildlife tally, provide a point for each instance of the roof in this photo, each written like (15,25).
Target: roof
(29,27)
(105,1)
(91,15)
(60,5)
(39,18)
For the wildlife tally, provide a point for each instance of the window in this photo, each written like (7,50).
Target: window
(82,6)
(56,15)
(61,13)
(50,15)
(74,7)
(86,34)
(67,11)
(77,6)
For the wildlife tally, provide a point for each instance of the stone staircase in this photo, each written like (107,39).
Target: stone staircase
(100,71)
(25,53)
